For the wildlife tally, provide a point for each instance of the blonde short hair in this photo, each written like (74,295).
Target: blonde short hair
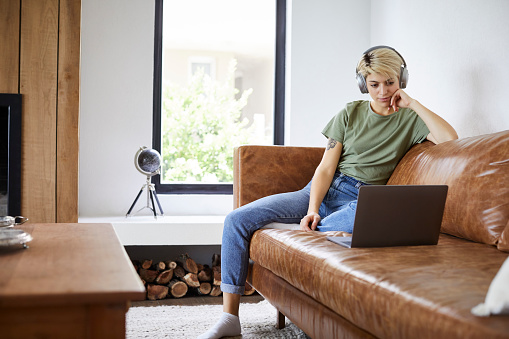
(383,60)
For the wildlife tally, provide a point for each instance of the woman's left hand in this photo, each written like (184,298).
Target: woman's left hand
(400,99)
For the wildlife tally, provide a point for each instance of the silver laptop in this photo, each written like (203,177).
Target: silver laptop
(396,215)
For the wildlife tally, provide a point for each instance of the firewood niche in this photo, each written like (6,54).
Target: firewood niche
(181,277)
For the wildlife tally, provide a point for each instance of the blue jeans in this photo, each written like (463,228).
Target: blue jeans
(337,212)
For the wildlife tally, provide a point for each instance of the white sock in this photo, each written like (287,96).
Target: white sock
(227,326)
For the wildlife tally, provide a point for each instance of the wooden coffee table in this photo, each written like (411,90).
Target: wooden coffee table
(74,281)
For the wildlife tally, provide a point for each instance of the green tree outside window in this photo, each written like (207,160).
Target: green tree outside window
(201,124)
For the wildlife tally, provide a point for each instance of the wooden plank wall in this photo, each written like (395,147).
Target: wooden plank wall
(68,107)
(9,46)
(44,36)
(38,86)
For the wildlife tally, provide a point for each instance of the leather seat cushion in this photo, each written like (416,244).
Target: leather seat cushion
(396,292)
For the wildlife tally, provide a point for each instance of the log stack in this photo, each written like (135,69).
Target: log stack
(181,277)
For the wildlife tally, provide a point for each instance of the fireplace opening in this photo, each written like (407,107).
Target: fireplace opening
(10,154)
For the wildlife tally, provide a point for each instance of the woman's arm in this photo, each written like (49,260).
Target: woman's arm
(321,183)
(440,130)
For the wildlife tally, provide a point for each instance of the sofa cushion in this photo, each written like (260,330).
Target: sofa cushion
(390,292)
(477,172)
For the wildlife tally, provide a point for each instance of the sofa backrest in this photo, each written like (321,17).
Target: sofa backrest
(476,169)
(259,171)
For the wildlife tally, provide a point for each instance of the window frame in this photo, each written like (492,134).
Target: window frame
(279,100)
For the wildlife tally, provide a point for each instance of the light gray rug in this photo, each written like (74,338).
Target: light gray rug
(257,320)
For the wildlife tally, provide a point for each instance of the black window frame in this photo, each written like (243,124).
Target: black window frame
(279,100)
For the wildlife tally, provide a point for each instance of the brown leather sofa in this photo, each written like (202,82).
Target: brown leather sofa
(400,292)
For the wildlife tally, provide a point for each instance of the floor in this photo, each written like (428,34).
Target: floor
(194,301)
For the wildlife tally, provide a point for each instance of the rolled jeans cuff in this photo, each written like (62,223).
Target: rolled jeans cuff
(226,288)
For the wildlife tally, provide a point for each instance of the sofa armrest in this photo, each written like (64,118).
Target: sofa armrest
(259,171)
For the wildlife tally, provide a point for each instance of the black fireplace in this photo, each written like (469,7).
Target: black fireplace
(10,154)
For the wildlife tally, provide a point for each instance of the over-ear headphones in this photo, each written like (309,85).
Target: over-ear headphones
(403,74)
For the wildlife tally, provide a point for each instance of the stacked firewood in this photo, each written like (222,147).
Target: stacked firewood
(176,279)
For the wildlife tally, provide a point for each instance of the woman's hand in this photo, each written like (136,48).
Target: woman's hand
(309,222)
(400,99)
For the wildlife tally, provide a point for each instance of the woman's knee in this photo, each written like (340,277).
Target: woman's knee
(236,222)
(231,219)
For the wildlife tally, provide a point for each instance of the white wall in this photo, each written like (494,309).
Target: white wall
(116,101)
(326,42)
(456,51)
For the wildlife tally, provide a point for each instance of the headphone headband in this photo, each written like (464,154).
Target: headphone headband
(403,76)
(383,46)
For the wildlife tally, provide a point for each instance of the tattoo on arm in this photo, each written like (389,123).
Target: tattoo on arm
(331,143)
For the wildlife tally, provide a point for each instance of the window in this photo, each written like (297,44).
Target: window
(218,83)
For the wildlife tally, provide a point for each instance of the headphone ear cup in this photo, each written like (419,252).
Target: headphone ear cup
(403,77)
(361,81)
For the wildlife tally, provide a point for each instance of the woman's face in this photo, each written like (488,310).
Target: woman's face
(381,90)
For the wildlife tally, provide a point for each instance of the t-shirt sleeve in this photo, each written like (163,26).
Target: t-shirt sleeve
(336,127)
(421,131)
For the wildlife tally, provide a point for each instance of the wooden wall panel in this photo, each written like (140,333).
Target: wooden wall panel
(40,58)
(68,110)
(38,86)
(9,46)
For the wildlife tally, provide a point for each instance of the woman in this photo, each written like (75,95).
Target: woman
(366,140)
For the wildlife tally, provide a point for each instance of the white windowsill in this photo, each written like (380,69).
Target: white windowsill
(166,230)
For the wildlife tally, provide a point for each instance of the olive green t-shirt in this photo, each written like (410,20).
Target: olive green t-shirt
(374,144)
